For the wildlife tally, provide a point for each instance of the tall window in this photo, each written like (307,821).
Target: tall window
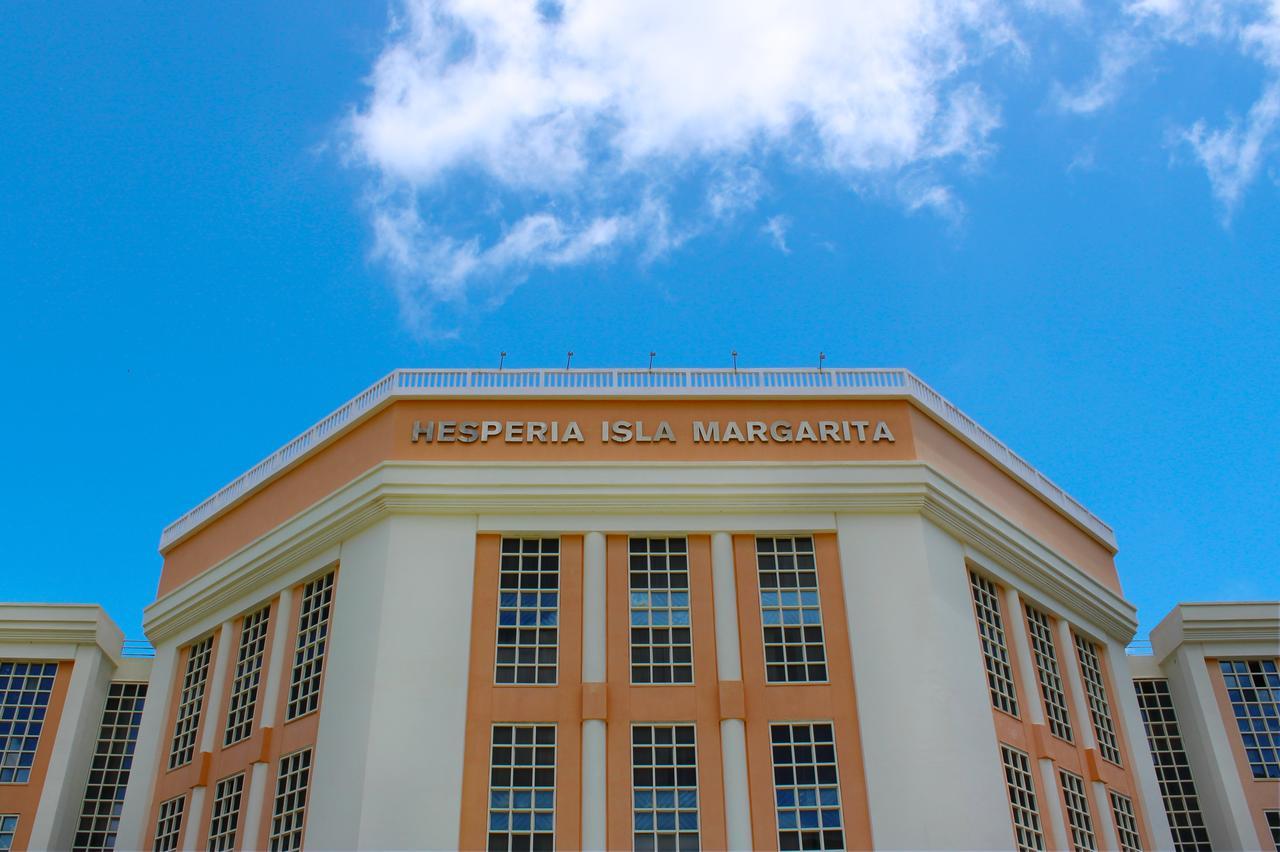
(661,638)
(244,690)
(169,824)
(109,771)
(790,610)
(664,794)
(528,611)
(24,697)
(1253,688)
(1078,819)
(187,722)
(226,813)
(1045,653)
(1027,834)
(8,830)
(289,811)
(1095,691)
(806,786)
(995,653)
(312,639)
(1173,770)
(1126,823)
(522,788)
(1273,825)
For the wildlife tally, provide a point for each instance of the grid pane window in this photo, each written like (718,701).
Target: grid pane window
(790,611)
(661,638)
(313,637)
(1045,653)
(169,825)
(1078,819)
(1126,823)
(8,830)
(289,812)
(24,698)
(1027,834)
(109,771)
(1173,770)
(995,652)
(1253,688)
(664,777)
(226,813)
(522,788)
(1095,691)
(528,611)
(244,690)
(806,786)
(1273,825)
(188,716)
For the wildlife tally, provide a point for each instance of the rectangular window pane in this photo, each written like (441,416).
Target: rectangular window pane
(1253,688)
(1045,653)
(664,792)
(1126,823)
(806,786)
(109,770)
(1173,770)
(522,788)
(289,812)
(309,647)
(244,690)
(1273,825)
(790,610)
(169,825)
(1095,691)
(8,830)
(24,699)
(189,701)
(661,636)
(995,653)
(528,611)
(1027,834)
(1078,819)
(226,813)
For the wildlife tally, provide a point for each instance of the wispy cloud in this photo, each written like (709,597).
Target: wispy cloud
(776,230)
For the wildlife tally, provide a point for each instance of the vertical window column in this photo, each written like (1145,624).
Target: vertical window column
(109,771)
(169,824)
(995,651)
(790,610)
(289,809)
(664,792)
(24,697)
(1173,769)
(225,818)
(244,692)
(1253,688)
(1078,817)
(1095,689)
(1024,809)
(806,786)
(528,611)
(661,633)
(190,699)
(522,788)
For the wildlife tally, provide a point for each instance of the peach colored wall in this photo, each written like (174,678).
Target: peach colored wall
(1262,794)
(24,799)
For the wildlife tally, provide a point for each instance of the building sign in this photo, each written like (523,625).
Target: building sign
(643,432)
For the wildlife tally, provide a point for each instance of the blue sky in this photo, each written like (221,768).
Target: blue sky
(218,223)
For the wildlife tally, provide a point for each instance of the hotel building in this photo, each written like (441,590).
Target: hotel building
(678,609)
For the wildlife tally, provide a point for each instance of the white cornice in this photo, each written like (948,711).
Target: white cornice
(58,624)
(1237,624)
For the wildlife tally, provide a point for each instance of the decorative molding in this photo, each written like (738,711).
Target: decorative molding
(1248,623)
(60,624)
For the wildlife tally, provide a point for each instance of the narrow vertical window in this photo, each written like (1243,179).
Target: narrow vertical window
(790,611)
(309,647)
(1045,653)
(1095,690)
(109,770)
(190,699)
(1126,823)
(1027,834)
(24,697)
(664,792)
(8,830)
(528,611)
(169,825)
(244,689)
(1173,769)
(806,786)
(1078,819)
(1273,825)
(226,813)
(522,788)
(661,638)
(1253,688)
(995,653)
(289,811)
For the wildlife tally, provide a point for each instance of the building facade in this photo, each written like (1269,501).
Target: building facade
(643,609)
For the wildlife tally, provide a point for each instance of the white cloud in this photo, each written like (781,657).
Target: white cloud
(1120,52)
(1233,156)
(776,230)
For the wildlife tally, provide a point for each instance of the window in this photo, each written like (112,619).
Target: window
(1253,688)
(24,698)
(244,689)
(664,777)
(289,813)
(169,825)
(189,701)
(528,611)
(1078,819)
(1027,834)
(1095,691)
(1173,771)
(995,653)
(1045,653)
(789,610)
(1126,823)
(522,787)
(8,830)
(1273,824)
(308,656)
(109,771)
(661,639)
(806,786)
(226,813)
